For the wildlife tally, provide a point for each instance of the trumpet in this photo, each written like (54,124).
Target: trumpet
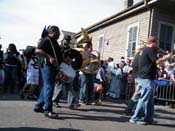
(160,53)
(158,50)
(163,52)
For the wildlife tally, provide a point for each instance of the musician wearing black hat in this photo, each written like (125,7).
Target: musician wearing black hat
(65,43)
(65,87)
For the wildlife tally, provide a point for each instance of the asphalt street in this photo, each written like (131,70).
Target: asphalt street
(18,115)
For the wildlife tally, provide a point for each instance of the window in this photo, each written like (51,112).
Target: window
(132,40)
(166,37)
(100,45)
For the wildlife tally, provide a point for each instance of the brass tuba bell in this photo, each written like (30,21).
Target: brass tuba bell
(90,62)
(84,38)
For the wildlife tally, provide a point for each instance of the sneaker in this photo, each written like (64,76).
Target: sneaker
(38,110)
(92,103)
(131,121)
(137,122)
(73,106)
(81,103)
(51,115)
(57,105)
(98,103)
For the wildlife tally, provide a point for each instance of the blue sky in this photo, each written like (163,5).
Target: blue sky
(21,21)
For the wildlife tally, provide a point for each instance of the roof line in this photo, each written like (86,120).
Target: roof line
(138,6)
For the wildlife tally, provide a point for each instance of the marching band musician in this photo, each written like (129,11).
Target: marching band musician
(65,87)
(58,89)
(86,80)
(49,48)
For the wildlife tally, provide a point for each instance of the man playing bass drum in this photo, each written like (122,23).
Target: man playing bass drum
(49,48)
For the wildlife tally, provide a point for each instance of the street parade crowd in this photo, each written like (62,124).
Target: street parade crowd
(50,72)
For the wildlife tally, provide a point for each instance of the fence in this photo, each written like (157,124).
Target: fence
(165,90)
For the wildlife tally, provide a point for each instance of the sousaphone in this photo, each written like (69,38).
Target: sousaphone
(83,60)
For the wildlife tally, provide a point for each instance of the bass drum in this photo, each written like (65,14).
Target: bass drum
(83,61)
(80,58)
(66,73)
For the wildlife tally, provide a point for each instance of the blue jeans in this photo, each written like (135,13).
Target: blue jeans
(57,91)
(134,99)
(59,86)
(86,87)
(71,94)
(145,103)
(45,98)
(10,78)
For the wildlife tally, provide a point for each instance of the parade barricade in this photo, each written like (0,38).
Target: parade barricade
(165,90)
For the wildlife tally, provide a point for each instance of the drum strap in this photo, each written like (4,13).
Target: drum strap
(53,50)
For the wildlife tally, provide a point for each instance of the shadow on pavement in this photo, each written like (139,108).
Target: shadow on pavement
(164,112)
(165,125)
(37,129)
(94,117)
(10,97)
(95,114)
(121,119)
(112,106)
(107,110)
